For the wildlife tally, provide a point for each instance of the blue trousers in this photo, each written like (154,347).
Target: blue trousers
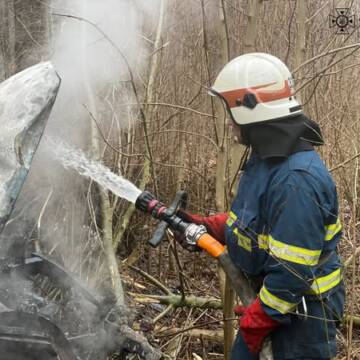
(241,352)
(313,338)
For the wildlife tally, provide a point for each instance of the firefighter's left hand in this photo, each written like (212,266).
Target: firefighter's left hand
(255,325)
(215,224)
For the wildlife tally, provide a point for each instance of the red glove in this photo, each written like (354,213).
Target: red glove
(214,224)
(255,325)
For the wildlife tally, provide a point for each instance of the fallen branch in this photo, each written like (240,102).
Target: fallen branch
(204,303)
(178,301)
(216,335)
(150,278)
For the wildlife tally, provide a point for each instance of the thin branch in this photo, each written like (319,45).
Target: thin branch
(344,162)
(349,261)
(185,132)
(17,18)
(148,277)
(168,309)
(307,62)
(316,12)
(182,108)
(320,73)
(289,33)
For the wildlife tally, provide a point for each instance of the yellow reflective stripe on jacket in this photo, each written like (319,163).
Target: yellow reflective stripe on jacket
(242,240)
(332,229)
(232,215)
(288,252)
(325,283)
(263,241)
(274,302)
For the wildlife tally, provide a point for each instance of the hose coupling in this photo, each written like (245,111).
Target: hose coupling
(193,232)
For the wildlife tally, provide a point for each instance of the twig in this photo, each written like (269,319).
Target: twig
(26,29)
(289,32)
(194,327)
(184,132)
(162,314)
(316,12)
(351,258)
(104,138)
(212,335)
(173,248)
(175,107)
(345,162)
(151,279)
(320,75)
(324,54)
(206,181)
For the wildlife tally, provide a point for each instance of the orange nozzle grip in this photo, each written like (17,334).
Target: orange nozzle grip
(210,245)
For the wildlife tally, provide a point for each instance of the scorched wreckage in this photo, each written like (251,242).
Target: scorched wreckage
(30,327)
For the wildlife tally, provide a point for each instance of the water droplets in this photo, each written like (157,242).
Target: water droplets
(77,160)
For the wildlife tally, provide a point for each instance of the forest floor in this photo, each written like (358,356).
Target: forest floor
(186,332)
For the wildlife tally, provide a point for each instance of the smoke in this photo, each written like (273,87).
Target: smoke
(92,52)
(52,209)
(87,61)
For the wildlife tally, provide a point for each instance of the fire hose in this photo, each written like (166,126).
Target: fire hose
(197,235)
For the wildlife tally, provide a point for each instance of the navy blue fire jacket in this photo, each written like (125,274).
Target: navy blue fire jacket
(284,226)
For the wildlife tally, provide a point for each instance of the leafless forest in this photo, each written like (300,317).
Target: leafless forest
(152,121)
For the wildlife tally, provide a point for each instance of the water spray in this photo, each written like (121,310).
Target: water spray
(195,235)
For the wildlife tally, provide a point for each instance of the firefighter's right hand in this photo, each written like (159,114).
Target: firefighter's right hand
(215,224)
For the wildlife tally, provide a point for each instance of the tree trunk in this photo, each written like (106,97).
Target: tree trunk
(105,208)
(7,39)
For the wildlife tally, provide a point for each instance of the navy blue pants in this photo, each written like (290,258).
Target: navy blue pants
(241,352)
(310,339)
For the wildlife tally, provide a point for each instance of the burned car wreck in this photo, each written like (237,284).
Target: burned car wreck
(30,325)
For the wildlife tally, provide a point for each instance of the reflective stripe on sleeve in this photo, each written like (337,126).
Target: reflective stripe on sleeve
(242,240)
(288,252)
(263,241)
(325,283)
(274,302)
(332,229)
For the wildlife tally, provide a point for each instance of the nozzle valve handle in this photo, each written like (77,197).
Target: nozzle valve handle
(179,202)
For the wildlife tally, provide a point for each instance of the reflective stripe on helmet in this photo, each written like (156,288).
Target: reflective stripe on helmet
(256,87)
(235,98)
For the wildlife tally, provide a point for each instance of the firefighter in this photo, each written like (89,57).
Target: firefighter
(283,225)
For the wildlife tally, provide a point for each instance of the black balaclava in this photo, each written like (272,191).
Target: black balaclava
(280,138)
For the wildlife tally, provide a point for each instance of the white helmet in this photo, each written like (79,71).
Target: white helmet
(256,87)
